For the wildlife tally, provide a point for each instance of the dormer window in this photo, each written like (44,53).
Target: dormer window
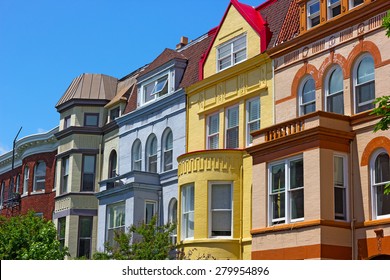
(231,53)
(334,8)
(114,114)
(313,13)
(155,89)
(354,3)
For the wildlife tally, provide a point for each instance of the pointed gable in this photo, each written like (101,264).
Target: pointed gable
(239,20)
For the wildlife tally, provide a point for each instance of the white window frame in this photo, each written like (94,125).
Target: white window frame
(332,6)
(210,222)
(150,202)
(327,88)
(121,227)
(156,93)
(213,135)
(237,127)
(301,87)
(67,121)
(149,155)
(310,17)
(186,189)
(249,139)
(231,53)
(64,183)
(172,218)
(355,85)
(26,178)
(344,187)
(351,4)
(115,113)
(287,219)
(39,180)
(375,215)
(166,166)
(136,150)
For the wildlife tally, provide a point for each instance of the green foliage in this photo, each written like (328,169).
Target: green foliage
(28,237)
(386,24)
(191,255)
(143,242)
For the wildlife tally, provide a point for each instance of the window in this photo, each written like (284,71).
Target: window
(112,165)
(115,221)
(334,92)
(88,176)
(354,3)
(380,176)
(313,13)
(187,219)
(213,131)
(364,82)
(334,8)
(150,210)
(85,237)
(172,218)
(155,89)
(253,118)
(91,119)
(2,194)
(64,175)
(168,151)
(221,209)
(232,128)
(26,178)
(66,122)
(61,229)
(286,191)
(137,155)
(114,114)
(231,53)
(152,154)
(39,176)
(340,187)
(307,97)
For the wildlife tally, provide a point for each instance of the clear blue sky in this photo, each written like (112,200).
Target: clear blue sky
(45,44)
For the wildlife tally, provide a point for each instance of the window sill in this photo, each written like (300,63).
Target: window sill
(37,192)
(24,195)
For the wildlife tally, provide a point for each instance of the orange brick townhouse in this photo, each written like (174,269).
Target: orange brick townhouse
(320,171)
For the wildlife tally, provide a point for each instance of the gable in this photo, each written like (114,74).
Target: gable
(238,20)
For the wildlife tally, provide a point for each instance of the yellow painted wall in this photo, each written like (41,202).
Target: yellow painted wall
(233,26)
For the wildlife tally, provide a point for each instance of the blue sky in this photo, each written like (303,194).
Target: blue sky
(45,44)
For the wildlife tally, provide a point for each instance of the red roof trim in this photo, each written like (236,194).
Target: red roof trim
(255,20)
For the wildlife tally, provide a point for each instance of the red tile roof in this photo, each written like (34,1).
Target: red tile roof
(290,27)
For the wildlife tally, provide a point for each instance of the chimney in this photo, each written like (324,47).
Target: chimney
(183,42)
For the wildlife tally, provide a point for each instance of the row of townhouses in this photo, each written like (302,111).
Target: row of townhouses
(256,139)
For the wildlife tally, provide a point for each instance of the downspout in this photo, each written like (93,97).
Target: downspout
(241,210)
(352,204)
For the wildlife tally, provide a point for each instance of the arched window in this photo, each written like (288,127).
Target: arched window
(137,155)
(112,166)
(26,179)
(39,176)
(151,154)
(334,91)
(380,176)
(307,96)
(168,150)
(364,84)
(172,218)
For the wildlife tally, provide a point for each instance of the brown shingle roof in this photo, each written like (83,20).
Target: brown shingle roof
(274,13)
(290,27)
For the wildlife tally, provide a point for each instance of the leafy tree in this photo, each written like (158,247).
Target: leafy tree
(142,242)
(386,24)
(28,237)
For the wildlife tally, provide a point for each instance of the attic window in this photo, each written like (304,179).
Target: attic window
(354,3)
(114,113)
(231,53)
(313,13)
(155,89)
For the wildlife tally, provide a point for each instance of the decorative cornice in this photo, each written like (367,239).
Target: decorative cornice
(88,130)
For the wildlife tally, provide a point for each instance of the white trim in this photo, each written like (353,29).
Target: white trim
(354,79)
(331,6)
(231,53)
(183,229)
(352,6)
(210,220)
(233,107)
(247,122)
(208,136)
(309,16)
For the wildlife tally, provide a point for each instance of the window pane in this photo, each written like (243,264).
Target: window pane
(383,201)
(213,124)
(309,91)
(169,141)
(89,164)
(338,171)
(254,109)
(221,223)
(296,203)
(314,8)
(382,168)
(366,72)
(278,178)
(86,227)
(339,203)
(335,103)
(224,51)
(116,216)
(91,119)
(221,196)
(296,174)
(232,128)
(168,160)
(148,89)
(357,2)
(278,208)
(149,212)
(84,248)
(336,81)
(240,56)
